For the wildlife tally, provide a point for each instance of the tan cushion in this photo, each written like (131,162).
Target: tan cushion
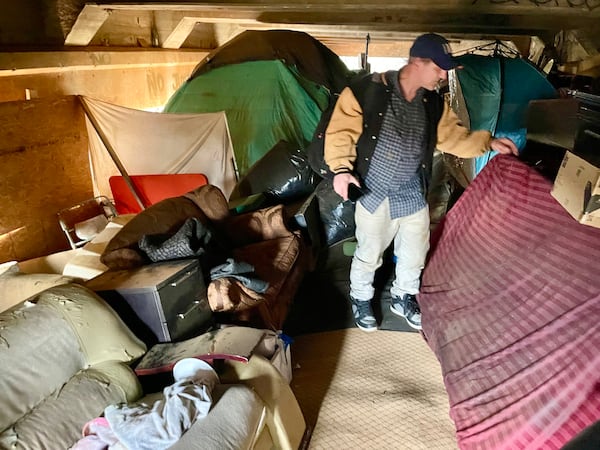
(211,201)
(48,339)
(103,336)
(57,421)
(16,286)
(261,225)
(234,421)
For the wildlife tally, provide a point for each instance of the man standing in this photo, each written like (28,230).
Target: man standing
(381,138)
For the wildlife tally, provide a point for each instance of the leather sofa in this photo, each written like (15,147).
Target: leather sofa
(266,239)
(65,356)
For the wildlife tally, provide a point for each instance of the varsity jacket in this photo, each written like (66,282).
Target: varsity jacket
(356,120)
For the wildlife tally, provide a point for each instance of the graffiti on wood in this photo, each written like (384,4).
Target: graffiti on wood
(590,5)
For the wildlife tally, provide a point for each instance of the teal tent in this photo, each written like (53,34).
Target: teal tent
(272,85)
(497,90)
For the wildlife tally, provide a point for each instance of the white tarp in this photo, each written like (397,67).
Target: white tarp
(149,143)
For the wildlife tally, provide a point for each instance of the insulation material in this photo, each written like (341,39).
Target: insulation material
(149,143)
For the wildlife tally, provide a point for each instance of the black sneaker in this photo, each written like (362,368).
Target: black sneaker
(408,308)
(363,315)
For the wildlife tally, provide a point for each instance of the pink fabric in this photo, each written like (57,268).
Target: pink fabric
(510,305)
(97,435)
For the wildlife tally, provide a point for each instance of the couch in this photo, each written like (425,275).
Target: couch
(66,356)
(264,238)
(510,302)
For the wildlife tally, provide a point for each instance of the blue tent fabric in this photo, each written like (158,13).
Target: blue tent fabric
(497,92)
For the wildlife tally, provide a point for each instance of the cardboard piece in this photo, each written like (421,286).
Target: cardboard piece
(577,189)
(235,343)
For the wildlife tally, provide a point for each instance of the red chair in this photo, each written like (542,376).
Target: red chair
(152,189)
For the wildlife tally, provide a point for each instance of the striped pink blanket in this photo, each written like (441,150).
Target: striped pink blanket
(511,307)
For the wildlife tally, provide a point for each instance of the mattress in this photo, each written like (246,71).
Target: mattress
(510,305)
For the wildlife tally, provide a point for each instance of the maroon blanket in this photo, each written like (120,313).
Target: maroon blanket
(511,307)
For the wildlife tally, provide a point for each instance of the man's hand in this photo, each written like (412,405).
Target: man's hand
(504,146)
(341,182)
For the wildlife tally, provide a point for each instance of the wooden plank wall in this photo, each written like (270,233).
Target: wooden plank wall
(43,169)
(43,141)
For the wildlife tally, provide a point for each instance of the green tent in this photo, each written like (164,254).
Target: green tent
(272,85)
(265,102)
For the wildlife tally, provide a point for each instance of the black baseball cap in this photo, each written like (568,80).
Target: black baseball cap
(435,47)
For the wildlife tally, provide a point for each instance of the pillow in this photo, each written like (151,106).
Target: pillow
(164,217)
(102,334)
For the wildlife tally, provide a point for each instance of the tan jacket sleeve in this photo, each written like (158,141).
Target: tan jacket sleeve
(456,139)
(343,131)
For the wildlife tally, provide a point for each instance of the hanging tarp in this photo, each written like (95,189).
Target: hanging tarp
(265,102)
(148,143)
(497,91)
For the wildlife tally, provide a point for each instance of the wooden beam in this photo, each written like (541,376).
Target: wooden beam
(90,58)
(427,7)
(178,36)
(89,21)
(479,19)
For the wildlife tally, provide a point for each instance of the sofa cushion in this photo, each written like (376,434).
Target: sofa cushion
(48,339)
(59,418)
(234,421)
(261,225)
(16,286)
(101,333)
(211,201)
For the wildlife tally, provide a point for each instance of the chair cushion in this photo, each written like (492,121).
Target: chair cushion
(261,225)
(57,421)
(234,421)
(151,189)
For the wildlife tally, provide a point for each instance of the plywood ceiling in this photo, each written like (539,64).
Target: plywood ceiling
(185,24)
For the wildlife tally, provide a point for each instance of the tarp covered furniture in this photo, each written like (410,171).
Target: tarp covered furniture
(510,303)
(260,238)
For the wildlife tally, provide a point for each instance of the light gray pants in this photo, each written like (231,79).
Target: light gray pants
(374,233)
